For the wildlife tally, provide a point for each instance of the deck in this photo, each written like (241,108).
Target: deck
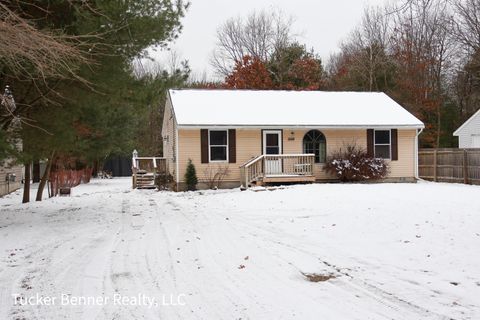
(145,170)
(279,168)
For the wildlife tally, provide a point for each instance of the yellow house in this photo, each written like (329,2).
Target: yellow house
(245,137)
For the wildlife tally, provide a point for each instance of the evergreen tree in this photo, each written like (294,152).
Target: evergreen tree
(294,68)
(99,110)
(191,179)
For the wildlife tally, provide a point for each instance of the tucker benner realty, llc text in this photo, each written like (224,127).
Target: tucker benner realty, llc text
(116,300)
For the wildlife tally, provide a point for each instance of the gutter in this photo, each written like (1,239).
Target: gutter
(290,126)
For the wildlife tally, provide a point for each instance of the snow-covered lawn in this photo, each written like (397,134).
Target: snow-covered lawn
(396,251)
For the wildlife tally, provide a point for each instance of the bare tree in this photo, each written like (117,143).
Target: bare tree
(258,36)
(423,49)
(467,33)
(467,28)
(367,49)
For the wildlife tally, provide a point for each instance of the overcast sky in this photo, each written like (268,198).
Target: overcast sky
(321,25)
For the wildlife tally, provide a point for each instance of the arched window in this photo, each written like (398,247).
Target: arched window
(314,142)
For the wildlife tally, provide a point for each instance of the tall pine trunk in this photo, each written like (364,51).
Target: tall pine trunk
(44,179)
(26,184)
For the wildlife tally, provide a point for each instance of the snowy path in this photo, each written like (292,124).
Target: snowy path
(398,251)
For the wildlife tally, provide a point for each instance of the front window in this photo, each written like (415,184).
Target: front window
(218,145)
(314,142)
(382,144)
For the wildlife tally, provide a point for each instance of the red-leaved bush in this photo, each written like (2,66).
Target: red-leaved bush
(353,164)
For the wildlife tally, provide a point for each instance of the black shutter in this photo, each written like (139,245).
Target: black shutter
(394,142)
(204,145)
(370,151)
(232,146)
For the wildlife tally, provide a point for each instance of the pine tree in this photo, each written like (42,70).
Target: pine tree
(101,110)
(191,176)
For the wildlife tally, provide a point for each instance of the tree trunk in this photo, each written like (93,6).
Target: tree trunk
(36,171)
(26,184)
(44,179)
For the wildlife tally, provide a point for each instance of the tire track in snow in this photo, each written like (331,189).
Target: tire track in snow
(52,265)
(191,229)
(375,293)
(231,239)
(122,276)
(143,259)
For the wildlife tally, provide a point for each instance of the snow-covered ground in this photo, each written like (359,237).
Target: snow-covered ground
(397,251)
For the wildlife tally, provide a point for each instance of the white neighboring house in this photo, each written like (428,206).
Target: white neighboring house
(469,133)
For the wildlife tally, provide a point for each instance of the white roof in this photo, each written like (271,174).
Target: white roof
(249,108)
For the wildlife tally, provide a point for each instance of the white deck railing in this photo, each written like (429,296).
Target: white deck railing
(277,165)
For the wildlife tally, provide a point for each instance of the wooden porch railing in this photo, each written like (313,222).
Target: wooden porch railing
(278,165)
(149,164)
(145,169)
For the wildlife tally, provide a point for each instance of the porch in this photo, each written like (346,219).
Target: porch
(145,170)
(278,168)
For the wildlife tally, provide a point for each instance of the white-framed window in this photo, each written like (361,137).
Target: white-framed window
(382,142)
(218,145)
(314,142)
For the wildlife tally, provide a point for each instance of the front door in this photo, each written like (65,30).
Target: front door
(272,145)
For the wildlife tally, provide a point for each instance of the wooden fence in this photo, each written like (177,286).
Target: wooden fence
(450,165)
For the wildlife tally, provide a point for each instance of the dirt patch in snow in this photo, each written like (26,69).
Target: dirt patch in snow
(317,277)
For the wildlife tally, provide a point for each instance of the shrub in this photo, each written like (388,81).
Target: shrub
(214,175)
(191,179)
(164,181)
(353,164)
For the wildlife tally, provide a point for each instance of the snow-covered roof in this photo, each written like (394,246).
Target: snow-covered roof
(250,108)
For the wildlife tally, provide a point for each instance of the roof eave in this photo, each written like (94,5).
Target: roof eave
(312,126)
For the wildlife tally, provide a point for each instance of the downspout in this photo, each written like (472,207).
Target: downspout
(416,154)
(176,154)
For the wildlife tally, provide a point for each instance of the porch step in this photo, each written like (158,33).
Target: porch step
(288,179)
(262,181)
(145,181)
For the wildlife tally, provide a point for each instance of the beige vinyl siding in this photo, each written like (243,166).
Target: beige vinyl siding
(169,138)
(404,167)
(336,139)
(249,145)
